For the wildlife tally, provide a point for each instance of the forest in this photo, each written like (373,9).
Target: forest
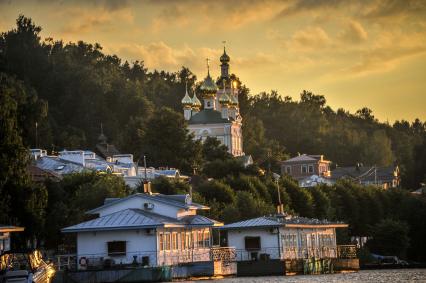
(55,95)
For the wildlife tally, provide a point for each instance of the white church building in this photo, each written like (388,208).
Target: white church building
(220,116)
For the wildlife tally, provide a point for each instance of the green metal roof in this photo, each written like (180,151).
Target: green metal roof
(208,116)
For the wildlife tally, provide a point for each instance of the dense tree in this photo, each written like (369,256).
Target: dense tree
(21,202)
(389,237)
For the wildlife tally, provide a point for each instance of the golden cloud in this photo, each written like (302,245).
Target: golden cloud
(353,33)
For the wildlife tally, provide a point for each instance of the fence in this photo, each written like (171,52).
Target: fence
(345,251)
(148,258)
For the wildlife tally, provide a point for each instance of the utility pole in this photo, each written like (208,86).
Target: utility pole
(36,134)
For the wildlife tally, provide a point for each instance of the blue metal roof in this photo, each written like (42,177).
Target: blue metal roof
(59,166)
(199,220)
(138,219)
(123,220)
(281,220)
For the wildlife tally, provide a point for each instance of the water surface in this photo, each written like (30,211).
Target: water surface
(388,276)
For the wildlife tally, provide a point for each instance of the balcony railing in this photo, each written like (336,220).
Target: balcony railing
(346,251)
(227,254)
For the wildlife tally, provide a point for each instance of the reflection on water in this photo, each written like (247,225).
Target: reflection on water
(388,276)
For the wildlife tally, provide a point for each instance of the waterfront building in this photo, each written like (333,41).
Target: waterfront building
(148,229)
(282,237)
(5,235)
(220,114)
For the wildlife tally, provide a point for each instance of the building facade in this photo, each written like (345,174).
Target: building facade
(304,165)
(148,229)
(219,115)
(283,237)
(383,176)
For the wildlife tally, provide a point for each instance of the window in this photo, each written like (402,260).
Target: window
(304,169)
(290,241)
(206,239)
(117,248)
(174,241)
(167,242)
(288,169)
(188,241)
(252,243)
(200,239)
(311,169)
(182,240)
(161,246)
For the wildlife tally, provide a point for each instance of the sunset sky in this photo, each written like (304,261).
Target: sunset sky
(356,53)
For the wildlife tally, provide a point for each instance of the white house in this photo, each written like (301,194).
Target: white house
(150,229)
(282,237)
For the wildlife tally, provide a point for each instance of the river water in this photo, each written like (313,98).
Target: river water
(388,276)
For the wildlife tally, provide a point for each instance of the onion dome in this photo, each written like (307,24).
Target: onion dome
(196,102)
(208,87)
(224,58)
(187,100)
(224,99)
(234,100)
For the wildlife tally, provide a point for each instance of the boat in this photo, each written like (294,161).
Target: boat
(25,267)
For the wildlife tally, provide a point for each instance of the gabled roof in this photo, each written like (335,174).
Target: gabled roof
(283,221)
(364,173)
(123,220)
(138,219)
(180,201)
(9,228)
(199,220)
(59,166)
(300,158)
(208,116)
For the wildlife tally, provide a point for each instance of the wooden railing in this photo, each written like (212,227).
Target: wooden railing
(346,251)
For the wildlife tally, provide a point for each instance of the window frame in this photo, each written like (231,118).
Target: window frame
(117,249)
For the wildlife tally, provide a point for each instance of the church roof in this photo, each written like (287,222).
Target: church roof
(208,116)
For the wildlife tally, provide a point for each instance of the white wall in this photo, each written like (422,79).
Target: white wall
(138,202)
(93,245)
(268,242)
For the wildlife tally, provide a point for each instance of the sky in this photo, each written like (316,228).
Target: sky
(355,53)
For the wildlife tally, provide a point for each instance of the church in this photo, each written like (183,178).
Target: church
(220,116)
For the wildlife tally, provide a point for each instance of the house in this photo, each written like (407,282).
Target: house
(282,237)
(383,176)
(314,180)
(152,229)
(303,166)
(5,230)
